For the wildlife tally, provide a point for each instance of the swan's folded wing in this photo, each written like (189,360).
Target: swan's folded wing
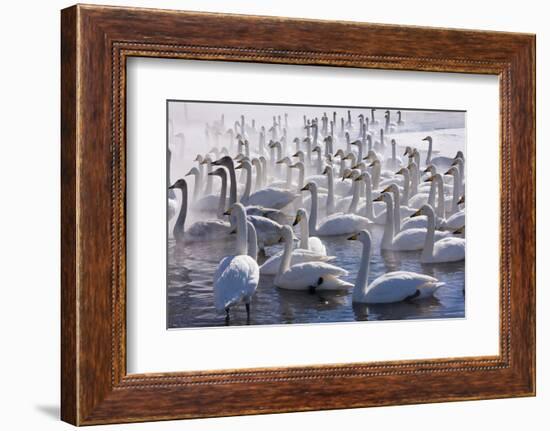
(272,198)
(450,249)
(235,278)
(396,286)
(342,224)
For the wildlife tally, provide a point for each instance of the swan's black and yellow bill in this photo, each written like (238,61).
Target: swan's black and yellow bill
(416,213)
(353,237)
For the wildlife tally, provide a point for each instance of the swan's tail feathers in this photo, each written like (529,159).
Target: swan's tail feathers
(429,289)
(332,282)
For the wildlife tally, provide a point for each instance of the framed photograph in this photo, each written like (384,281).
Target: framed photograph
(251,205)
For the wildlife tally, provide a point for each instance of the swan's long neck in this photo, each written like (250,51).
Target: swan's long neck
(197,186)
(456,191)
(360,151)
(248,183)
(288,176)
(200,178)
(242,234)
(232,184)
(413,180)
(362,280)
(396,212)
(387,237)
(314,209)
(279,149)
(393,155)
(429,156)
(376,175)
(179,227)
(304,231)
(431,195)
(368,197)
(330,197)
(406,186)
(287,255)
(319,163)
(440,210)
(252,241)
(223,195)
(301,176)
(355,197)
(209,178)
(258,182)
(427,252)
(348,144)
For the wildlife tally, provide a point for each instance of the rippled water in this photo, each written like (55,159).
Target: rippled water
(191,299)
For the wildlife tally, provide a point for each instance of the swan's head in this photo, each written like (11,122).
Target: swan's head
(298,165)
(327,170)
(374,163)
(408,150)
(457,162)
(179,184)
(347,135)
(339,153)
(307,139)
(224,161)
(360,116)
(198,159)
(239,157)
(401,171)
(311,186)
(430,169)
(361,177)
(386,114)
(452,171)
(317,149)
(459,231)
(220,172)
(392,188)
(362,236)
(301,214)
(328,139)
(357,142)
(425,209)
(384,197)
(284,160)
(206,159)
(393,142)
(296,140)
(459,155)
(428,138)
(462,200)
(236,210)
(274,144)
(193,171)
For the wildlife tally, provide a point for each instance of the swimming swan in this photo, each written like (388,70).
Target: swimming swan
(390,287)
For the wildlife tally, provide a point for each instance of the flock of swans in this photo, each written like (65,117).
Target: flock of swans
(299,181)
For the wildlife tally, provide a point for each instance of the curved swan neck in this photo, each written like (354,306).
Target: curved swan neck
(304,231)
(406,186)
(427,252)
(440,210)
(287,255)
(242,234)
(368,197)
(252,241)
(179,227)
(429,156)
(258,182)
(330,197)
(247,168)
(387,237)
(456,191)
(356,188)
(223,194)
(362,280)
(396,212)
(314,208)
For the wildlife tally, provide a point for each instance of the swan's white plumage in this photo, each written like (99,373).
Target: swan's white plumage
(456,221)
(208,230)
(272,197)
(235,280)
(397,286)
(412,239)
(316,245)
(304,275)
(299,255)
(342,224)
(450,249)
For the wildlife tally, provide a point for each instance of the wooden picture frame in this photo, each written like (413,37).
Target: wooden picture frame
(95,43)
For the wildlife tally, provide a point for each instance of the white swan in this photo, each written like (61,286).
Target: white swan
(309,275)
(390,287)
(207,230)
(271,197)
(335,224)
(406,240)
(442,163)
(449,249)
(237,276)
(311,243)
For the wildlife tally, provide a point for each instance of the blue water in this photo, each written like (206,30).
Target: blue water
(191,299)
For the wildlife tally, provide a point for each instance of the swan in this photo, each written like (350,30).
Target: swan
(394,163)
(237,276)
(436,185)
(400,122)
(391,287)
(310,276)
(451,205)
(448,249)
(227,162)
(335,224)
(207,230)
(311,243)
(271,197)
(406,240)
(442,163)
